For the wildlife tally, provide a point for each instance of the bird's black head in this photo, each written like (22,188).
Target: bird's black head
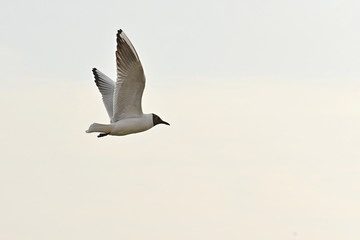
(158,120)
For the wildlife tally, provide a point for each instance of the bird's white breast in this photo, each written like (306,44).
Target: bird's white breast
(132,125)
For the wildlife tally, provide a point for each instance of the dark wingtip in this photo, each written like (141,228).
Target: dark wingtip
(94,70)
(119,38)
(119,33)
(96,76)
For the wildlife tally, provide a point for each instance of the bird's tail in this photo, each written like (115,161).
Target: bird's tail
(97,127)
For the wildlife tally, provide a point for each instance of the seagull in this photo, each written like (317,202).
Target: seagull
(122,99)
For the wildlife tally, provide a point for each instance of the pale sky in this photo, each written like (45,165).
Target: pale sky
(264,105)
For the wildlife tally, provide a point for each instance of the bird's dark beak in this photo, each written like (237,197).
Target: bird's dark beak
(163,122)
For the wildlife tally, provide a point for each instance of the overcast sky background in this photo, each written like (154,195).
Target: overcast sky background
(262,97)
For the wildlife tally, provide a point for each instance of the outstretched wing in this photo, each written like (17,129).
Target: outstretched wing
(130,80)
(106,87)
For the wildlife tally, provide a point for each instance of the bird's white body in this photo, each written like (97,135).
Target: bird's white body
(122,99)
(124,126)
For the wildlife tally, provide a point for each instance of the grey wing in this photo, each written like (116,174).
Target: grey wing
(130,80)
(106,87)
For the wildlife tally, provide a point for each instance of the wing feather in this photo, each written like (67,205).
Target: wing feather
(130,80)
(106,87)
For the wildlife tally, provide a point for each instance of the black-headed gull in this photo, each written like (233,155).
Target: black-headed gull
(122,99)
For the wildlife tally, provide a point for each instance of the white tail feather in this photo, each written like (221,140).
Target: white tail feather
(97,127)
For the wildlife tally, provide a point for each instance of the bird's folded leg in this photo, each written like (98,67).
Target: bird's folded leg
(102,135)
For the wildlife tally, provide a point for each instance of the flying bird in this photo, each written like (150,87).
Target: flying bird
(122,99)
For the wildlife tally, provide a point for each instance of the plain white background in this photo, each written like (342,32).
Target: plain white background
(263,101)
